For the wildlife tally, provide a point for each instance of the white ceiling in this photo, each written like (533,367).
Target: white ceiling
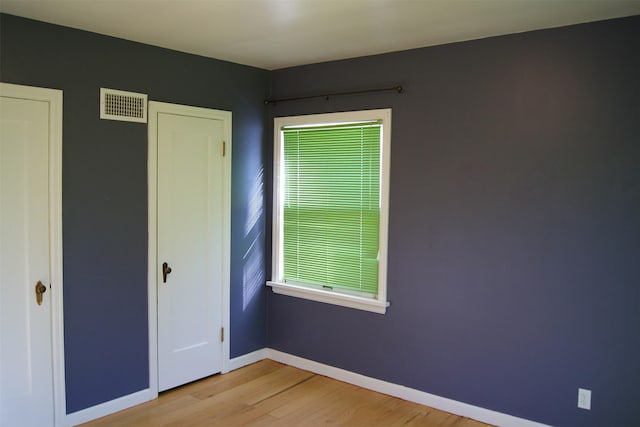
(274,34)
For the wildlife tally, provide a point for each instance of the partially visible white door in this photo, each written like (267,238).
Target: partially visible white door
(190,247)
(26,359)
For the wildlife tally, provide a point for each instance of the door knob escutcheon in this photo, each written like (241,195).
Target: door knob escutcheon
(40,289)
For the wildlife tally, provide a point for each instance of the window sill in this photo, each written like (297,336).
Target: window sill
(330,297)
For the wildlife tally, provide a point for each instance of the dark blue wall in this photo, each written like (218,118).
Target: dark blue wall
(514,232)
(105,192)
(514,236)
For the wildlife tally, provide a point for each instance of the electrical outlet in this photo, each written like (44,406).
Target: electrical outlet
(584,398)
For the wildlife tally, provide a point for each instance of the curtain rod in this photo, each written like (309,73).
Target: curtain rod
(397,89)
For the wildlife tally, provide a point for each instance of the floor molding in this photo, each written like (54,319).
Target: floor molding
(402,392)
(109,407)
(124,402)
(391,389)
(247,359)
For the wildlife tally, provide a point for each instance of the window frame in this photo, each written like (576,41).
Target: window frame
(376,304)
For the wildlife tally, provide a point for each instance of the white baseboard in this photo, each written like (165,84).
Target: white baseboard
(402,392)
(124,402)
(109,407)
(247,359)
(391,389)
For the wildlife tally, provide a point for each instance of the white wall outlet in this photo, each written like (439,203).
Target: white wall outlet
(584,398)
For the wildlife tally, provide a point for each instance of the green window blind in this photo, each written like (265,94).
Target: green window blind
(331,211)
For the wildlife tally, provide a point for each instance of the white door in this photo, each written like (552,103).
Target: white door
(190,221)
(26,273)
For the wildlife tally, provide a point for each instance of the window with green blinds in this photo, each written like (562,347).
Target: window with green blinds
(331,205)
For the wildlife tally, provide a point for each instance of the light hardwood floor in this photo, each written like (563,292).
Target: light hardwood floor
(269,393)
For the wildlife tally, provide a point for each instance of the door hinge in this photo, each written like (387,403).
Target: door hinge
(224,148)
(221,334)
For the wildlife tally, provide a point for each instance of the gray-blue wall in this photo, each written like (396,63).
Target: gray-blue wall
(514,233)
(514,236)
(105,192)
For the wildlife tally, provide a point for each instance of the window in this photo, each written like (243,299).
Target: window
(331,174)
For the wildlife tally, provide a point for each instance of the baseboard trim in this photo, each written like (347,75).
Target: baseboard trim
(412,395)
(124,402)
(402,392)
(247,359)
(110,407)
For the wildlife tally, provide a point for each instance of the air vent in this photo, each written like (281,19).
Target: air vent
(123,106)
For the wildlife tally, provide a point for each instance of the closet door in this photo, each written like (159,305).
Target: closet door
(189,247)
(26,368)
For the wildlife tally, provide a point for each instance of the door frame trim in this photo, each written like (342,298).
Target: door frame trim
(152,169)
(54,98)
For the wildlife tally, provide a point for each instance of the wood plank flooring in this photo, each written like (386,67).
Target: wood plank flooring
(269,393)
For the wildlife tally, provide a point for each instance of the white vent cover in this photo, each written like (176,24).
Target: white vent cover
(123,106)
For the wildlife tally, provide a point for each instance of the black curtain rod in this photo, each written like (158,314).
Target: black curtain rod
(351,92)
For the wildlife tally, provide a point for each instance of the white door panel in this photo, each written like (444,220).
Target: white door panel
(26,376)
(190,227)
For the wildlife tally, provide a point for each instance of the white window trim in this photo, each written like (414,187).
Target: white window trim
(377,304)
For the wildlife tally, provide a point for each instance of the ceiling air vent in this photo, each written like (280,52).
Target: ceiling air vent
(123,106)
